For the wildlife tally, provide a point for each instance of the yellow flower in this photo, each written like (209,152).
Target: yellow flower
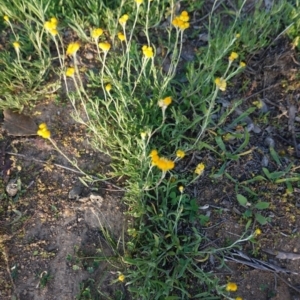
(154,157)
(138,2)
(237,36)
(233,56)
(51,26)
(181,189)
(143,135)
(108,87)
(16,45)
(43,131)
(165,164)
(238,298)
(121,277)
(73,48)
(242,64)
(200,169)
(70,72)
(221,83)
(121,36)
(123,20)
(181,21)
(104,46)
(180,153)
(184,16)
(231,287)
(257,232)
(6,18)
(96,33)
(164,103)
(147,51)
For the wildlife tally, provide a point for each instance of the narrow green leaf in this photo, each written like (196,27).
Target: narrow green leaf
(242,200)
(261,219)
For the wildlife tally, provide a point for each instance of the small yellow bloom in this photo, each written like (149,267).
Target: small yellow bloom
(121,277)
(54,21)
(153,153)
(238,298)
(138,2)
(233,56)
(237,36)
(43,131)
(257,232)
(143,135)
(147,51)
(199,169)
(104,46)
(181,21)
(231,287)
(180,153)
(221,83)
(6,18)
(242,64)
(108,87)
(164,164)
(181,189)
(184,16)
(70,72)
(121,36)
(51,26)
(73,48)
(96,33)
(16,45)
(164,103)
(123,20)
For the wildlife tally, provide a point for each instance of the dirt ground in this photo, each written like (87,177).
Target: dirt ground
(52,229)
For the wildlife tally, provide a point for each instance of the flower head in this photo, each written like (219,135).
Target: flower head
(164,103)
(181,21)
(139,2)
(123,20)
(70,72)
(108,87)
(6,18)
(237,36)
(242,64)
(181,188)
(147,51)
(238,298)
(180,153)
(154,157)
(165,164)
(257,232)
(221,83)
(143,135)
(43,131)
(121,277)
(121,36)
(73,48)
(16,45)
(96,33)
(231,287)
(199,169)
(233,56)
(104,46)
(51,26)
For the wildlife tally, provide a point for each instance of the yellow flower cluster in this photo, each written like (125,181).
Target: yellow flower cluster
(96,33)
(233,56)
(123,20)
(73,48)
(105,46)
(43,131)
(200,169)
(6,18)
(147,51)
(121,277)
(139,2)
(181,188)
(182,21)
(51,26)
(221,83)
(242,64)
(108,87)
(164,103)
(162,163)
(121,36)
(180,153)
(231,287)
(70,72)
